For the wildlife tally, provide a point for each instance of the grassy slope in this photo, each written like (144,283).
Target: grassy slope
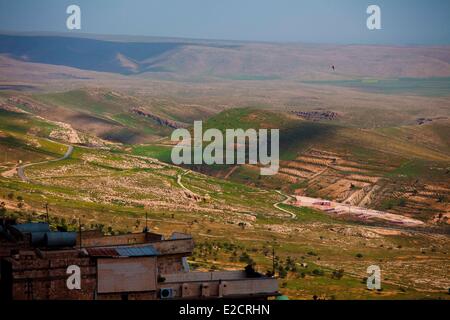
(296,136)
(432,87)
(15,142)
(74,193)
(401,157)
(104,108)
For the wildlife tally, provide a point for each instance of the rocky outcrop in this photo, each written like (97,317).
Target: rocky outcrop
(159,120)
(27,104)
(422,121)
(316,115)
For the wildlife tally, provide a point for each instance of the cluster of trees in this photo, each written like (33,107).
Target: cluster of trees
(59,223)
(282,267)
(11,196)
(212,249)
(2,208)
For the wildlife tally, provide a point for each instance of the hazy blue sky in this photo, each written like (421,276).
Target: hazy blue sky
(330,21)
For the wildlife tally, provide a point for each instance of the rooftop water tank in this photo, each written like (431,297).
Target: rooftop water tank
(32,227)
(37,238)
(60,239)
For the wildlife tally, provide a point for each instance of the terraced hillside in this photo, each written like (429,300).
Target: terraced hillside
(402,170)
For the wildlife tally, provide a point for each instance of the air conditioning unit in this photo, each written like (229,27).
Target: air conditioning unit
(166,293)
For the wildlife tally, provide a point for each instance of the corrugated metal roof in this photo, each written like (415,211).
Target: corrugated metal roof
(145,251)
(137,251)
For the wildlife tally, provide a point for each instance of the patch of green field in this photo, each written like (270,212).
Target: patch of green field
(16,142)
(410,169)
(433,87)
(248,77)
(304,214)
(295,135)
(162,153)
(81,100)
(22,123)
(418,168)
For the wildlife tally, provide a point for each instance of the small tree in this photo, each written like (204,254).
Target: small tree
(2,209)
(318,272)
(282,272)
(338,274)
(290,264)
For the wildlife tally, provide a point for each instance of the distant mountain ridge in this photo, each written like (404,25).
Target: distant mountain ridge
(82,53)
(228,60)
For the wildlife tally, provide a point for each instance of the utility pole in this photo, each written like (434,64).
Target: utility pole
(46,213)
(273,261)
(79,229)
(146,223)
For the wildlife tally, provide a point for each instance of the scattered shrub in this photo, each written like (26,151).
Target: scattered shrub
(318,272)
(338,274)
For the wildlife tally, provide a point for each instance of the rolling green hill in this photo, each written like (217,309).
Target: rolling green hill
(361,166)
(102,113)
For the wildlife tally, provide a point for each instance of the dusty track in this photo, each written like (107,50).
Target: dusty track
(21,169)
(285,201)
(179,177)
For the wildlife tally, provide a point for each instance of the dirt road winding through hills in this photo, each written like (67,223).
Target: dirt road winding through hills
(285,201)
(21,169)
(187,190)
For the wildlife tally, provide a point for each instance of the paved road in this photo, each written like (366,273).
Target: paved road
(21,169)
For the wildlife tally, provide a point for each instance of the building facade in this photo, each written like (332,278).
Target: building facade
(38,264)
